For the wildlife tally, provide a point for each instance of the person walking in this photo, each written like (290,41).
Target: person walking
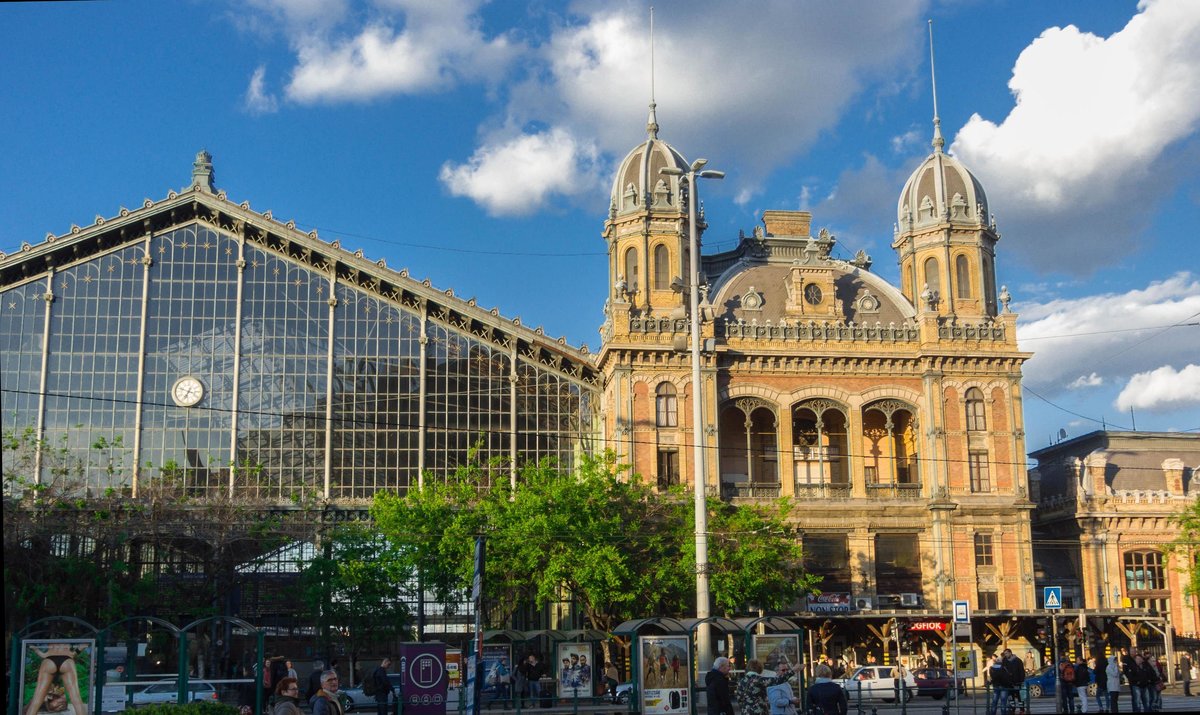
(1141,681)
(382,686)
(611,679)
(716,687)
(1082,677)
(1066,677)
(1100,678)
(1113,681)
(1185,674)
(825,696)
(287,697)
(998,679)
(752,688)
(781,699)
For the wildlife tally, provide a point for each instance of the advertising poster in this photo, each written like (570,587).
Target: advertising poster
(425,681)
(56,676)
(497,670)
(574,670)
(775,648)
(665,674)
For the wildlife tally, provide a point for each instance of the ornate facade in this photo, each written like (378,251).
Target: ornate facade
(892,414)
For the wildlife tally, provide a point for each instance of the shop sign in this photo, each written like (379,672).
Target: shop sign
(829,603)
(927,626)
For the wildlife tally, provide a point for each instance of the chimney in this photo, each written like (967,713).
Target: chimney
(787,223)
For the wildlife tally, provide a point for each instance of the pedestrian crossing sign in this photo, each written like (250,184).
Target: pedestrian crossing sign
(1052,597)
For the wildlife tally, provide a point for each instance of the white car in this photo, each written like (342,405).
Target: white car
(877,682)
(168,692)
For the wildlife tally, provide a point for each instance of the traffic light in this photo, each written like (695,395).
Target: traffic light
(1041,634)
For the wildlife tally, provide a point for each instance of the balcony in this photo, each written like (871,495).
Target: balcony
(894,491)
(823,491)
(746,490)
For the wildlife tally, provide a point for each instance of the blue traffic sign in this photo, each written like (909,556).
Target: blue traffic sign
(1052,597)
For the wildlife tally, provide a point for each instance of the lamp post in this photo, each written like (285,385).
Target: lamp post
(699,482)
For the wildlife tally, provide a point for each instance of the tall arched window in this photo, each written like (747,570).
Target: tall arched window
(933,278)
(666,405)
(976,420)
(662,267)
(1144,571)
(962,276)
(631,269)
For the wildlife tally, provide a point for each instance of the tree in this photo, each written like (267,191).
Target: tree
(358,588)
(1184,547)
(619,548)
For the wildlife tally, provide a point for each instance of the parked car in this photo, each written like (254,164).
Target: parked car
(877,682)
(624,690)
(355,699)
(936,683)
(1042,683)
(168,692)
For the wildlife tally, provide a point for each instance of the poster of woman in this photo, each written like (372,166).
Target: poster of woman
(574,670)
(665,673)
(56,676)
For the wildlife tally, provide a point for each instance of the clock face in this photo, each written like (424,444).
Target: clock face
(187,391)
(812,293)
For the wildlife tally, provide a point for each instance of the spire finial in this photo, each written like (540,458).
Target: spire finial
(938,141)
(202,172)
(652,120)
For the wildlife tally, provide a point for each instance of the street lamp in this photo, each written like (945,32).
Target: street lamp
(699,482)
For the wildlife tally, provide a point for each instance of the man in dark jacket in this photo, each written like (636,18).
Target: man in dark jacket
(999,679)
(382,685)
(716,687)
(314,679)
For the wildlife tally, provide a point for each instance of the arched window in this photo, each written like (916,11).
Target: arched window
(933,278)
(962,276)
(976,421)
(1144,571)
(662,267)
(666,405)
(631,269)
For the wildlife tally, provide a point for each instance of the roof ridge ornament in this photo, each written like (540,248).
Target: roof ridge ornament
(202,172)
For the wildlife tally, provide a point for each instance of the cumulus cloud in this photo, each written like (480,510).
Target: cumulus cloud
(257,99)
(1162,389)
(1110,336)
(518,175)
(1082,381)
(1085,154)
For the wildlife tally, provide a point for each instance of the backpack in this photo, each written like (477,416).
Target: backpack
(1066,672)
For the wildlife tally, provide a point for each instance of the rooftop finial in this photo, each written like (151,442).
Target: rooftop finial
(652,120)
(202,172)
(938,141)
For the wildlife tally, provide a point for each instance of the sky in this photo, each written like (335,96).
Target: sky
(474,143)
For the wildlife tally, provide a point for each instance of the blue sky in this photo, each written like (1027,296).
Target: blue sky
(473,143)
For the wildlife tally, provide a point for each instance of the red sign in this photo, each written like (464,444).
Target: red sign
(927,626)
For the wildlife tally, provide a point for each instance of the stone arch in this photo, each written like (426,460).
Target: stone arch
(890,443)
(748,437)
(820,442)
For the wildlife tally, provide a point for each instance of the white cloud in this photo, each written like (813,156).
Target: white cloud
(1112,335)
(1162,389)
(257,100)
(1082,381)
(519,175)
(1086,152)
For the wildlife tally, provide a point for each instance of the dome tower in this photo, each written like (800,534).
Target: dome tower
(945,236)
(645,229)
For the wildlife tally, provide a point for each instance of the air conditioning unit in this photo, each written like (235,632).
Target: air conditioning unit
(863,603)
(887,600)
(910,599)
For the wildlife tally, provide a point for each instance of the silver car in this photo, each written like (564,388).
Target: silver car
(355,699)
(877,682)
(168,692)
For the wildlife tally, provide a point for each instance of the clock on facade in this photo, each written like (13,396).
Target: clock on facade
(812,293)
(187,391)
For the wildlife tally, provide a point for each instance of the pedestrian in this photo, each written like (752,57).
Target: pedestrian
(825,696)
(503,679)
(752,687)
(1066,676)
(781,699)
(325,700)
(716,687)
(1000,681)
(1082,675)
(1141,681)
(1113,681)
(611,679)
(287,697)
(1185,674)
(382,686)
(1100,678)
(291,670)
(314,679)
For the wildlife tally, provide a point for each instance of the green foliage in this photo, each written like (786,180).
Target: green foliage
(358,586)
(199,707)
(1186,546)
(620,548)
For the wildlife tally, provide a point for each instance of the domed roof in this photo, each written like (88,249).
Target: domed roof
(760,293)
(638,182)
(941,189)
